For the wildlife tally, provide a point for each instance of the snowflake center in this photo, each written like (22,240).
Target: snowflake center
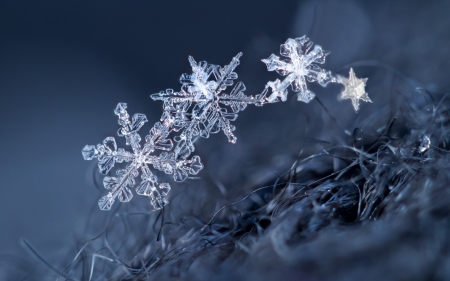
(299,67)
(140,159)
(207,88)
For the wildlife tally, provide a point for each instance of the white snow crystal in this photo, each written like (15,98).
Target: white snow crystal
(354,89)
(203,107)
(139,159)
(200,107)
(299,66)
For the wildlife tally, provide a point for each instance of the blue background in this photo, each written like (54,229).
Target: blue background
(64,65)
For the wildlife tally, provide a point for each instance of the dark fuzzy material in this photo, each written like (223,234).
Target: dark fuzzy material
(373,208)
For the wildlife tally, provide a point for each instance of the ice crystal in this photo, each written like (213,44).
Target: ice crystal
(354,89)
(139,159)
(201,107)
(299,66)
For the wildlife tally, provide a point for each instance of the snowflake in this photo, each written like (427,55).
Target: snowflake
(199,109)
(139,159)
(354,89)
(203,107)
(301,65)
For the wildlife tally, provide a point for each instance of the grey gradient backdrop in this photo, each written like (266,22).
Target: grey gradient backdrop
(64,65)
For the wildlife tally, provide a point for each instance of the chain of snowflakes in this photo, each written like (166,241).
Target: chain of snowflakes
(301,65)
(200,108)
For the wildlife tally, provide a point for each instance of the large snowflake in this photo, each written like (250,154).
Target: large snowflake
(299,66)
(139,159)
(200,108)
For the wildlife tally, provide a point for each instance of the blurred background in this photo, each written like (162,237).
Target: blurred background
(64,65)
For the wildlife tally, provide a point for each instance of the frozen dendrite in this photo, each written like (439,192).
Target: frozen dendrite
(200,107)
(354,89)
(299,66)
(139,159)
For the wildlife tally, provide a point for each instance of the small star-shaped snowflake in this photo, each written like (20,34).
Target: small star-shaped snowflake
(354,89)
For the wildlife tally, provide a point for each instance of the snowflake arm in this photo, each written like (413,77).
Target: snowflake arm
(299,66)
(354,89)
(108,154)
(180,169)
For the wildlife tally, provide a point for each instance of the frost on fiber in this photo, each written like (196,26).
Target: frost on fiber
(300,65)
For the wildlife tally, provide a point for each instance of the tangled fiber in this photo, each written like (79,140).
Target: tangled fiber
(374,208)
